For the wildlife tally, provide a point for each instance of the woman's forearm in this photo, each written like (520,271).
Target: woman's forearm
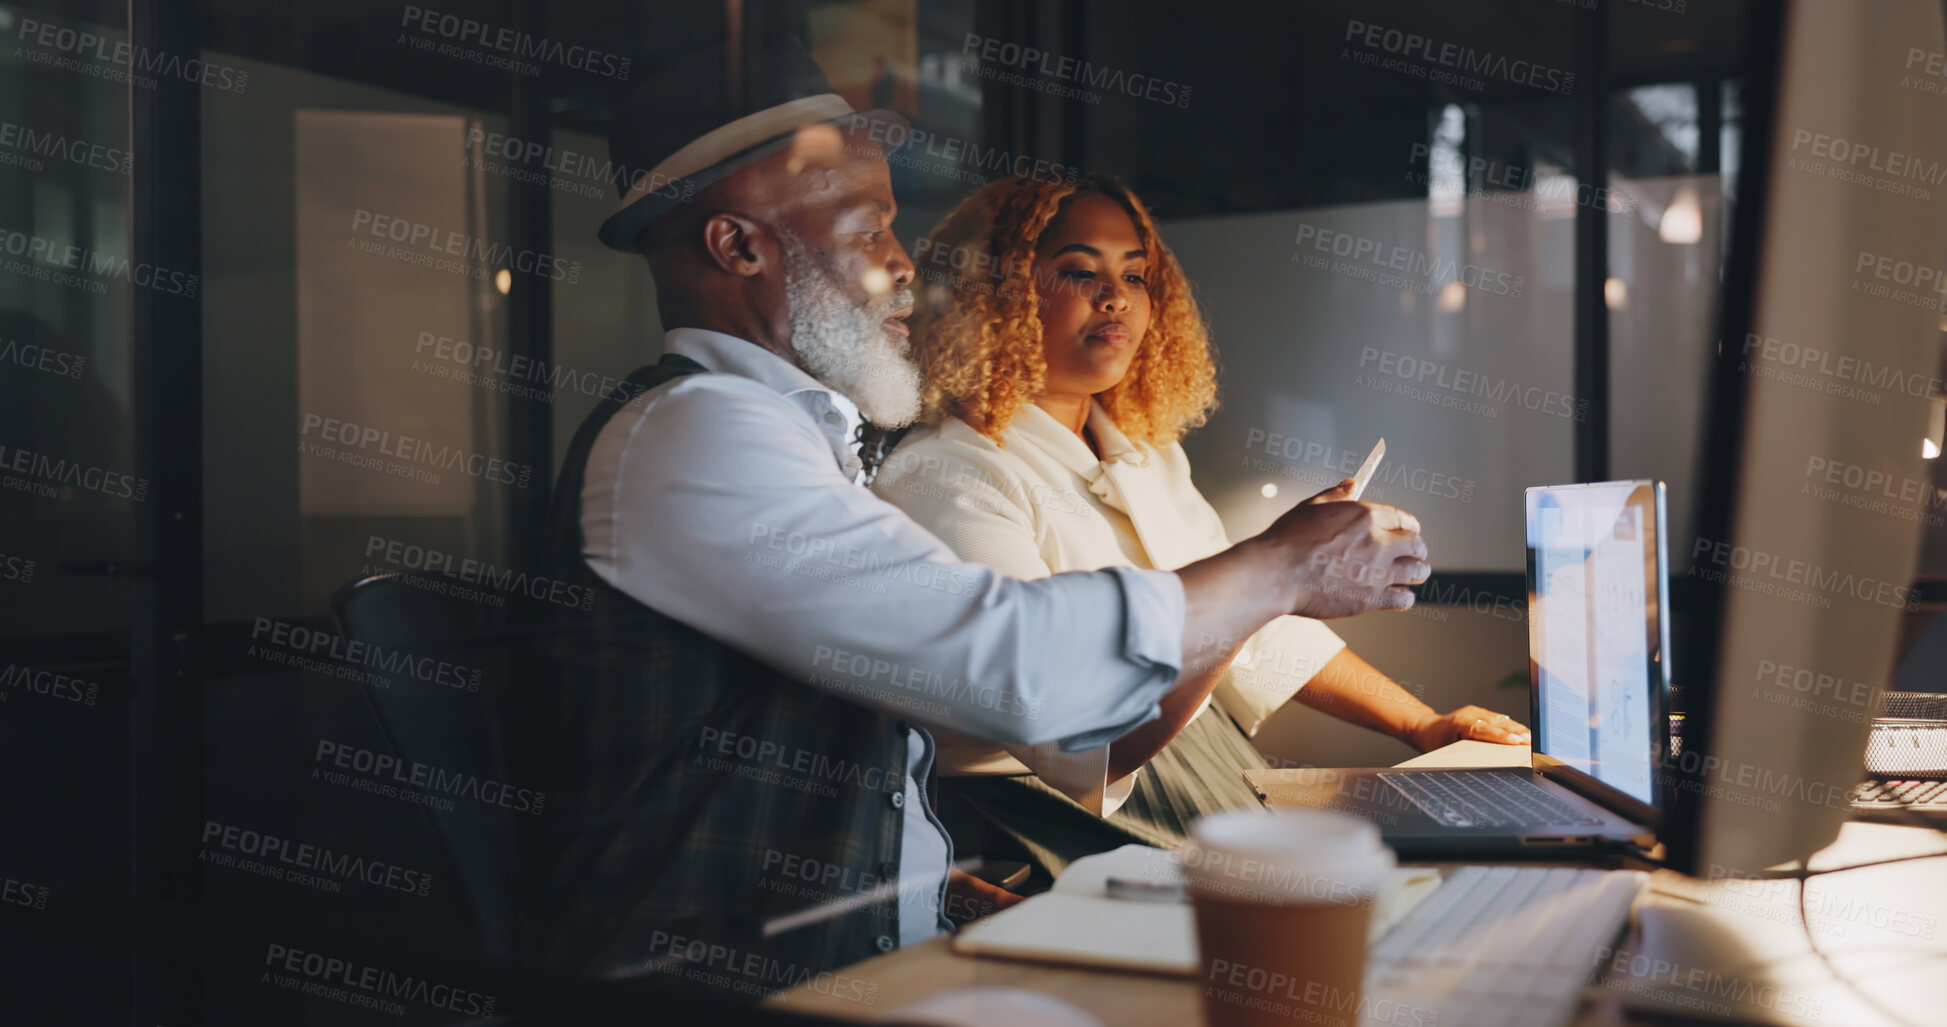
(1355,691)
(1226,599)
(1128,753)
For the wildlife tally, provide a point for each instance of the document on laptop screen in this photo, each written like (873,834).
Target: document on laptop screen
(1594,626)
(1619,589)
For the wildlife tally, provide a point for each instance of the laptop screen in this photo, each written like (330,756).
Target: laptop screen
(1596,628)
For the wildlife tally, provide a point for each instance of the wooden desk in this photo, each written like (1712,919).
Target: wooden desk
(1117,998)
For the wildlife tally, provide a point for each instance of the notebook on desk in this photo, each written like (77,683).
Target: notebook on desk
(1077,923)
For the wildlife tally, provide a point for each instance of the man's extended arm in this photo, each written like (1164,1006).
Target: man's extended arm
(736,521)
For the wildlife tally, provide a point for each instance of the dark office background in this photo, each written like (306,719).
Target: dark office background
(246,183)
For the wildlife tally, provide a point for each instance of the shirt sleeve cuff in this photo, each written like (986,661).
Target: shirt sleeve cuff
(1152,638)
(1154,607)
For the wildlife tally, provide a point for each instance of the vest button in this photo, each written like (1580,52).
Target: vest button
(885,943)
(898,800)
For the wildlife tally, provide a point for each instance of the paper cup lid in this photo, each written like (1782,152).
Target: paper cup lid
(1286,857)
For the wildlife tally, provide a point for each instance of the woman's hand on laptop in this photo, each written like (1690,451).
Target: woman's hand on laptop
(1468,723)
(1349,557)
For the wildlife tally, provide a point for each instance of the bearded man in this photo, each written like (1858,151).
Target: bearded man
(739,766)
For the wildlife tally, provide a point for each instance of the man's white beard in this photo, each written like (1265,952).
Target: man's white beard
(847,346)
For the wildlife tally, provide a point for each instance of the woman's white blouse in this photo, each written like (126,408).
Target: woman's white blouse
(1044,504)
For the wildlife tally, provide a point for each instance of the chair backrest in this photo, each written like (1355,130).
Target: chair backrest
(452,727)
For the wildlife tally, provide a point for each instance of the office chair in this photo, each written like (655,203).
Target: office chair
(453,729)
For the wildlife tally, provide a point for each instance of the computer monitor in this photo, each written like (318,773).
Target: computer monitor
(1598,603)
(1812,474)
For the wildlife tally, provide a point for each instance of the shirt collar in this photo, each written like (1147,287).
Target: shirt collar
(1041,428)
(835,415)
(731,355)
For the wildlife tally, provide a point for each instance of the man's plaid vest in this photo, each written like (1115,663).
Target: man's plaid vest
(682,817)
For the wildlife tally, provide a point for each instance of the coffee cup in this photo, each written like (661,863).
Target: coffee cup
(1283,900)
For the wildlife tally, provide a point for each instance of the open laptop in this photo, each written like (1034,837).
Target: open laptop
(1598,629)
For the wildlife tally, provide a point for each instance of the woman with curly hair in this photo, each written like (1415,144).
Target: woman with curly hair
(1063,357)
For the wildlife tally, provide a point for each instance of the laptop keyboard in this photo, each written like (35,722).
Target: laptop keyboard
(1464,798)
(1924,795)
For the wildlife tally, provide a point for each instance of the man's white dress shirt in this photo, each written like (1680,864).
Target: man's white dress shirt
(728,501)
(1043,503)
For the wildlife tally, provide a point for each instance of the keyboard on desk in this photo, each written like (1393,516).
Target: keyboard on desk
(1901,801)
(1463,798)
(1500,946)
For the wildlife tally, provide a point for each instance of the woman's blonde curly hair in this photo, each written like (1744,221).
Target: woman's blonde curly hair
(977,327)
